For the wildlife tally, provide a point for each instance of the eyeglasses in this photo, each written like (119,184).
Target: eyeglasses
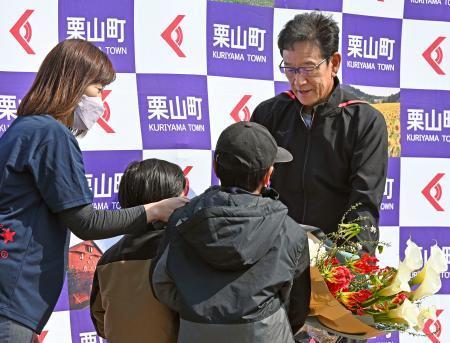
(305,71)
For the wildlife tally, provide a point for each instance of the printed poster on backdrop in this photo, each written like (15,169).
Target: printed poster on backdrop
(425,116)
(374,8)
(371,50)
(239,41)
(171,37)
(427,10)
(174,111)
(389,209)
(104,170)
(392,337)
(13,87)
(108,24)
(232,100)
(82,328)
(424,192)
(195,164)
(425,51)
(390,255)
(58,329)
(29,30)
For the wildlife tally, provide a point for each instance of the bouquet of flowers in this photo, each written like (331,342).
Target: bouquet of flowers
(352,296)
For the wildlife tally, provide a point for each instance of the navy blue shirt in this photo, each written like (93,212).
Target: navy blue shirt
(41,174)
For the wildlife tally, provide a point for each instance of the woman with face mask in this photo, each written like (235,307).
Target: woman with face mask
(43,189)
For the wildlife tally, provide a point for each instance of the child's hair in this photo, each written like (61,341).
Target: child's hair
(248,181)
(149,181)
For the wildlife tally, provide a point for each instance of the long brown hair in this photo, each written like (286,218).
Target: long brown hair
(63,76)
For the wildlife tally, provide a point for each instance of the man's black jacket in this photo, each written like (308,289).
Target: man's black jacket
(338,162)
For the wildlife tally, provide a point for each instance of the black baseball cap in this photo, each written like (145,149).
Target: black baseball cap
(248,146)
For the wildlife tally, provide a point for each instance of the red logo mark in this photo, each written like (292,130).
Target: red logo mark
(436,61)
(174,28)
(15,31)
(3,254)
(185,173)
(7,235)
(241,106)
(434,185)
(102,121)
(434,334)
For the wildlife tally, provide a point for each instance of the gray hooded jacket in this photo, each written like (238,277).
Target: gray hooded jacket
(235,267)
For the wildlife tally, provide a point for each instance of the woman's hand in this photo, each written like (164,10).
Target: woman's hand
(161,210)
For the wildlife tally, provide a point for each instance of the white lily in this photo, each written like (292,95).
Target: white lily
(424,315)
(407,312)
(316,251)
(413,256)
(400,282)
(429,286)
(437,262)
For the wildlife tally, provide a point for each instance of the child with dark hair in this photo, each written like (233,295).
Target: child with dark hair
(123,308)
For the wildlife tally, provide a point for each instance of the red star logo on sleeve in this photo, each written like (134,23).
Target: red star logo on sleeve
(7,235)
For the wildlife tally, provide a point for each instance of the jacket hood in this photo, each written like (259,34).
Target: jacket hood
(231,229)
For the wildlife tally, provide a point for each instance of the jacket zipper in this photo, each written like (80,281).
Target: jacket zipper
(308,138)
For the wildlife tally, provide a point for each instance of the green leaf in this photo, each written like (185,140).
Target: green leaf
(380,248)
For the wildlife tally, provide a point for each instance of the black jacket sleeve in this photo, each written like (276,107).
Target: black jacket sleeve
(368,172)
(262,115)
(300,295)
(88,223)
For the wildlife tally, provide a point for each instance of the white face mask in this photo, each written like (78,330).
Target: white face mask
(88,111)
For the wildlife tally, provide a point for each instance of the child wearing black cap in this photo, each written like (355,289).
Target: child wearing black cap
(235,266)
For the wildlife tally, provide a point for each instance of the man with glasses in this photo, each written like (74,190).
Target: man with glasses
(339,143)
